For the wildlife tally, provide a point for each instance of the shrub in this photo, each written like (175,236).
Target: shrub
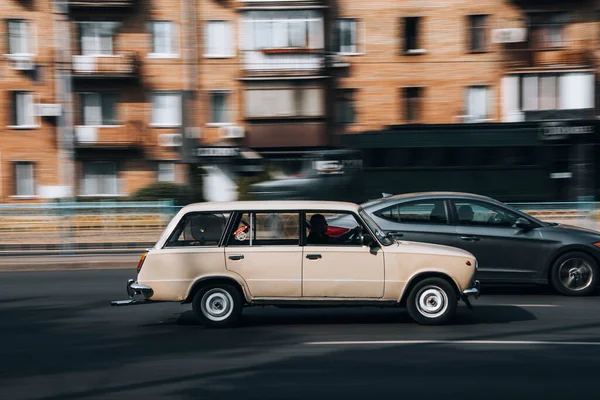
(180,194)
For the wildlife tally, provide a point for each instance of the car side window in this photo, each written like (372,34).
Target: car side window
(332,229)
(416,212)
(199,229)
(266,229)
(479,214)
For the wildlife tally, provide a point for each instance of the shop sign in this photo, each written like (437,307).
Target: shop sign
(560,130)
(217,152)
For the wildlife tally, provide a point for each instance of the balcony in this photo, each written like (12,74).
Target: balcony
(549,59)
(101,4)
(283,62)
(123,65)
(124,136)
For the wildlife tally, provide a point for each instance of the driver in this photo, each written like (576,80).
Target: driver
(318,232)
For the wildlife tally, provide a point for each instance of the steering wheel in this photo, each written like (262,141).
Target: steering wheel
(355,235)
(495,219)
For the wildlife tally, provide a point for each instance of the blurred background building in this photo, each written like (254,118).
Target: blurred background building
(104,97)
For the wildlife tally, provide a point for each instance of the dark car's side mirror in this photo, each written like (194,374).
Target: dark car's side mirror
(523,224)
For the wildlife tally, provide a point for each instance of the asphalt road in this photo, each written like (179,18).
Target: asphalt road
(60,339)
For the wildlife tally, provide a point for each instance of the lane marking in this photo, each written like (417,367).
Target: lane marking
(496,342)
(526,305)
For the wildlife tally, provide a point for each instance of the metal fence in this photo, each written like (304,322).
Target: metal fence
(64,227)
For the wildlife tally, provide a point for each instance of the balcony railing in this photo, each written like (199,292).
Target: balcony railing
(122,65)
(283,62)
(128,135)
(549,58)
(101,4)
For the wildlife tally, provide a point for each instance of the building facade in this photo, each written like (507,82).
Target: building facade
(104,97)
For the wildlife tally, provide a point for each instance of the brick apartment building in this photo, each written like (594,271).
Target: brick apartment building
(103,97)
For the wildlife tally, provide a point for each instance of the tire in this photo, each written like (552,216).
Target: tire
(575,274)
(217,306)
(432,301)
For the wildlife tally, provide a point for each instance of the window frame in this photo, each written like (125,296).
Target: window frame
(229,50)
(178,230)
(419,47)
(488,103)
(14,119)
(172,164)
(238,214)
(229,114)
(541,21)
(484,204)
(408,101)
(16,193)
(98,39)
(357,217)
(174,36)
(116,178)
(29,38)
(444,201)
(482,29)
(354,33)
(170,124)
(345,95)
(116,121)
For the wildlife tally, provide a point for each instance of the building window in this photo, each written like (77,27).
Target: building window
(97,37)
(218,39)
(24,181)
(293,29)
(23,109)
(547,29)
(164,38)
(344,108)
(345,36)
(284,102)
(99,109)
(477,103)
(18,37)
(166,109)
(412,34)
(219,108)
(413,98)
(478,32)
(100,179)
(166,172)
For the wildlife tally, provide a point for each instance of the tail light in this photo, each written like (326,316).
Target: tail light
(141,262)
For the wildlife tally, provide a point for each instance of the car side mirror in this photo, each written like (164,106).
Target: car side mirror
(523,224)
(367,240)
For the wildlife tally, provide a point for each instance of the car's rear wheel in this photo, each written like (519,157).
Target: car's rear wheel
(432,301)
(575,274)
(217,306)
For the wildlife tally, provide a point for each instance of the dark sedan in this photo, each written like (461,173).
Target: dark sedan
(511,246)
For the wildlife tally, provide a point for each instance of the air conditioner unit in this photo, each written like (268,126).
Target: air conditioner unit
(86,134)
(170,139)
(48,110)
(509,35)
(22,64)
(232,132)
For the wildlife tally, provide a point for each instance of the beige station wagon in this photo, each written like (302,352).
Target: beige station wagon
(222,256)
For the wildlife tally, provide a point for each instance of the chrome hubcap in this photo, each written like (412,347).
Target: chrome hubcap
(432,301)
(575,274)
(217,304)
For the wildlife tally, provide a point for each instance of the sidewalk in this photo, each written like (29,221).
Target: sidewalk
(61,262)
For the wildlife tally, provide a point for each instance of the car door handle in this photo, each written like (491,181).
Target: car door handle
(236,257)
(470,238)
(313,256)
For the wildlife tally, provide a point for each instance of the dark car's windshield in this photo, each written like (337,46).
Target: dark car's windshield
(381,236)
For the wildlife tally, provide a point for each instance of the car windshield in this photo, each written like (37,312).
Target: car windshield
(383,238)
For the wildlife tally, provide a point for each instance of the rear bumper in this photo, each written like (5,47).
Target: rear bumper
(472,291)
(134,289)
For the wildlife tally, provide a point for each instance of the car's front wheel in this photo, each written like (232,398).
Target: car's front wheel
(432,301)
(217,306)
(575,274)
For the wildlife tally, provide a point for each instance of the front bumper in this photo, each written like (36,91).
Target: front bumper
(133,289)
(472,291)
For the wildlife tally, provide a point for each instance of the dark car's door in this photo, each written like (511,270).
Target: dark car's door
(423,220)
(504,253)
